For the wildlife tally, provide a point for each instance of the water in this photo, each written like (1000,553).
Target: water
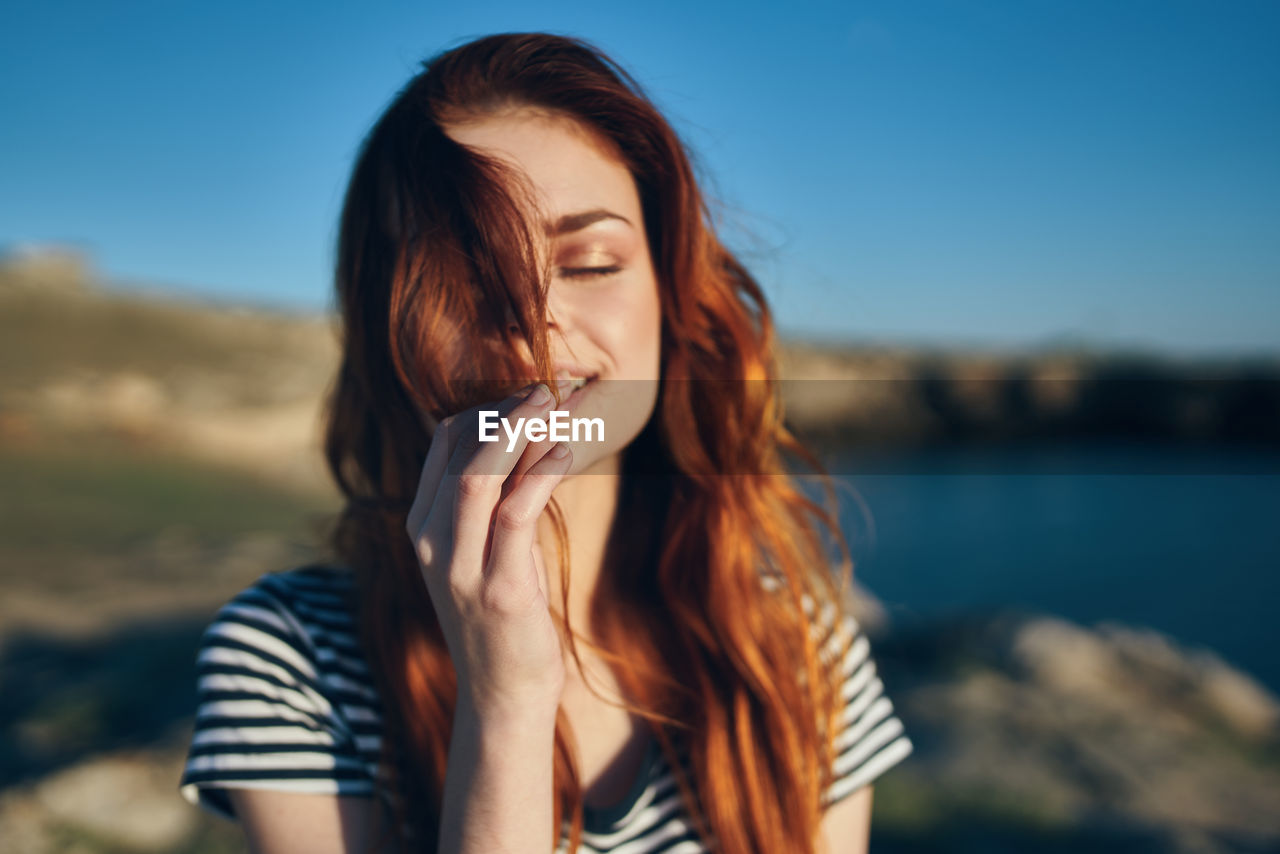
(1184,542)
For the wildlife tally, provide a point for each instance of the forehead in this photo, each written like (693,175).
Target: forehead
(571,167)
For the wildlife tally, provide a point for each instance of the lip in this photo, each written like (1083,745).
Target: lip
(573,369)
(572,401)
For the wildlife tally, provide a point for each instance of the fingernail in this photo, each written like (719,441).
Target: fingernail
(540,395)
(560,451)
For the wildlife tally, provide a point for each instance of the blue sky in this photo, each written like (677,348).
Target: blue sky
(1002,174)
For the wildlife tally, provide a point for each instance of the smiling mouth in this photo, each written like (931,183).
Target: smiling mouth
(577,387)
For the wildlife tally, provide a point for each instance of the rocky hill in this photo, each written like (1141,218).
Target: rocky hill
(226,383)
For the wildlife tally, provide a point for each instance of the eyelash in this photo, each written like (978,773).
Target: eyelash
(588,272)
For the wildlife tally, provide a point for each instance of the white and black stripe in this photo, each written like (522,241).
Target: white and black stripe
(286,702)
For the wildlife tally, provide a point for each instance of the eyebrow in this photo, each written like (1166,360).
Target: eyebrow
(580,220)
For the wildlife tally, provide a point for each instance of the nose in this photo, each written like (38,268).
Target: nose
(554,312)
(557,329)
(514,327)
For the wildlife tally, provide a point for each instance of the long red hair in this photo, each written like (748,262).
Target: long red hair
(433,252)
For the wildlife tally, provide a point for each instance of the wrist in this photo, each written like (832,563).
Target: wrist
(502,721)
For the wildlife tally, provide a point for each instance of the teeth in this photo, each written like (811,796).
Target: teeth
(571,383)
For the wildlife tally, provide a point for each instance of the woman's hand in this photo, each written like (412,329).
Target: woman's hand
(474,528)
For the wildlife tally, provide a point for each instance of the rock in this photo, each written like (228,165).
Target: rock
(22,824)
(1065,657)
(1096,733)
(1238,697)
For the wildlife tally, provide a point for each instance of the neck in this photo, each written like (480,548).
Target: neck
(589,503)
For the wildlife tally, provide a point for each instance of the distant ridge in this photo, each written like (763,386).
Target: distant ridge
(244,385)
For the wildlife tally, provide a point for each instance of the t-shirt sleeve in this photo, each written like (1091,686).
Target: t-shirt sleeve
(870,738)
(263,720)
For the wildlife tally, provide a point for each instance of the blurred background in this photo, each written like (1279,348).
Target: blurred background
(1024,260)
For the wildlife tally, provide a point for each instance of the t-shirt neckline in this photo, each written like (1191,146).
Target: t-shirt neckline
(602,819)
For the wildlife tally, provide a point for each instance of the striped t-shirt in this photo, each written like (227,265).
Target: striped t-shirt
(286,702)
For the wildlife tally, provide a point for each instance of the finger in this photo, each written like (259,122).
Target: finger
(476,490)
(539,555)
(515,527)
(438,452)
(444,442)
(463,435)
(492,455)
(533,451)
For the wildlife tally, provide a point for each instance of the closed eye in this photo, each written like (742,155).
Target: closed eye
(588,272)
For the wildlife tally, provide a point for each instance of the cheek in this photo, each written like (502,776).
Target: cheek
(628,322)
(644,330)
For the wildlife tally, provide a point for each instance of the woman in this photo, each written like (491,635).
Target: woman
(521,212)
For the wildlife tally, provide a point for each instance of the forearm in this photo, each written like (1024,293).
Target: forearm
(498,789)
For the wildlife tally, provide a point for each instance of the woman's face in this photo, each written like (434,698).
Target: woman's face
(605,316)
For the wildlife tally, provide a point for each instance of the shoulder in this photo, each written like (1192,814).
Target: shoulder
(297,627)
(309,589)
(870,737)
(831,622)
(284,696)
(289,615)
